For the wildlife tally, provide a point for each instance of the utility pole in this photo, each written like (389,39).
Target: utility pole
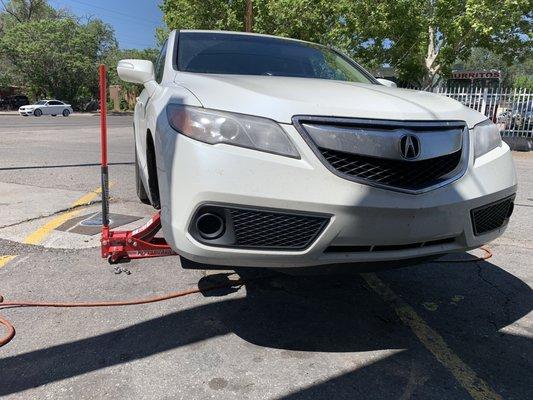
(248,16)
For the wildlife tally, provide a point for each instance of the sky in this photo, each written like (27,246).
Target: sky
(134,21)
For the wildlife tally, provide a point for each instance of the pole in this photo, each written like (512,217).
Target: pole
(249,16)
(103,141)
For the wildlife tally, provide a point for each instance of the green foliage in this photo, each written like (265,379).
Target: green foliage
(124,106)
(18,11)
(421,39)
(58,57)
(515,73)
(524,82)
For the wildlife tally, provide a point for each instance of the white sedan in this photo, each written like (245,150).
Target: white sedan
(46,107)
(271,152)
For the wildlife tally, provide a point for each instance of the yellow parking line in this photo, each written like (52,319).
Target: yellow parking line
(40,234)
(5,259)
(476,387)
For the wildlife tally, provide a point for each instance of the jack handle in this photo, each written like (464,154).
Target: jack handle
(103,141)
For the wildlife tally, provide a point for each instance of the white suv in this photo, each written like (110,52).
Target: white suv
(272,152)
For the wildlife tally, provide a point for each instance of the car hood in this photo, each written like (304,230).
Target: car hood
(281,98)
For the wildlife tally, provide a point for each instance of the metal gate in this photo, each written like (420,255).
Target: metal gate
(510,109)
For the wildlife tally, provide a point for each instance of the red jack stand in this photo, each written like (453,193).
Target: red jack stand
(119,246)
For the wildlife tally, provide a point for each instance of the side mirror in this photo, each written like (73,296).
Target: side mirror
(136,71)
(386,82)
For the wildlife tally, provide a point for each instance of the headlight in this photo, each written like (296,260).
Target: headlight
(210,126)
(486,138)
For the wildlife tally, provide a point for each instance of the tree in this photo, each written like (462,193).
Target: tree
(19,11)
(422,39)
(58,57)
(15,12)
(518,74)
(426,37)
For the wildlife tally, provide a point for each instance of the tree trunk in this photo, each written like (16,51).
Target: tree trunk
(432,53)
(248,16)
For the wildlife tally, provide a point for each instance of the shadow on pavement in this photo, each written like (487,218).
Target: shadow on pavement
(331,314)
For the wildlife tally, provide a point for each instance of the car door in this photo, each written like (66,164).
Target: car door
(54,107)
(45,108)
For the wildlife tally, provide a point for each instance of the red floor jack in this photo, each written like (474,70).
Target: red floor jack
(122,246)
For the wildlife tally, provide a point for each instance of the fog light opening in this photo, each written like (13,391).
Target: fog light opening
(210,226)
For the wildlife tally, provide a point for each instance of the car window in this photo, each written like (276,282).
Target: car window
(160,64)
(222,53)
(55,103)
(41,102)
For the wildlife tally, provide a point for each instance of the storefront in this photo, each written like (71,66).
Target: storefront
(475,79)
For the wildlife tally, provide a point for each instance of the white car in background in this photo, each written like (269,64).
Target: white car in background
(46,107)
(272,152)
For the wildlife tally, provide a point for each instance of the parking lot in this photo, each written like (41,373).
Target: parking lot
(447,329)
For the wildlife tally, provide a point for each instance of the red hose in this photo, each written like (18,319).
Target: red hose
(486,256)
(172,295)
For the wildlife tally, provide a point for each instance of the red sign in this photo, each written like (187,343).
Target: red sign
(476,74)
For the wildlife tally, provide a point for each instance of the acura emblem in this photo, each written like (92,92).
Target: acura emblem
(409,147)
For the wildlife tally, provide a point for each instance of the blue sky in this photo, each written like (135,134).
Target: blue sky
(134,21)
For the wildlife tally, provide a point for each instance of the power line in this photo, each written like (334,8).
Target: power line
(120,15)
(145,45)
(116,12)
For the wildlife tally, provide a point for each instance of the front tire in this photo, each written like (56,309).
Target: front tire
(139,186)
(66,113)
(37,113)
(153,184)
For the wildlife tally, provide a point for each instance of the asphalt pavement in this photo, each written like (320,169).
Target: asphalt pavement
(441,330)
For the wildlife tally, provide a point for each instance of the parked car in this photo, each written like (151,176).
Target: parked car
(91,106)
(46,107)
(272,152)
(3,103)
(521,116)
(16,101)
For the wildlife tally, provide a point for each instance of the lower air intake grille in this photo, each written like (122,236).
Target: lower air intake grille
(411,175)
(273,230)
(492,216)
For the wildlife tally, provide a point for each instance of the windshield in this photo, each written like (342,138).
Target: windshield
(41,102)
(223,53)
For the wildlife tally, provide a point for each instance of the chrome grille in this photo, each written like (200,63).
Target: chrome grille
(370,151)
(411,175)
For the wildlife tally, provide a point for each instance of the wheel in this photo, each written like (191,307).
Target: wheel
(66,113)
(37,113)
(139,186)
(153,184)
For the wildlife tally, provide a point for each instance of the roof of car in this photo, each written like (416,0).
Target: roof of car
(244,34)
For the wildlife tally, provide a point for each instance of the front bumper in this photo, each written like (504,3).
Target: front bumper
(192,173)
(26,112)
